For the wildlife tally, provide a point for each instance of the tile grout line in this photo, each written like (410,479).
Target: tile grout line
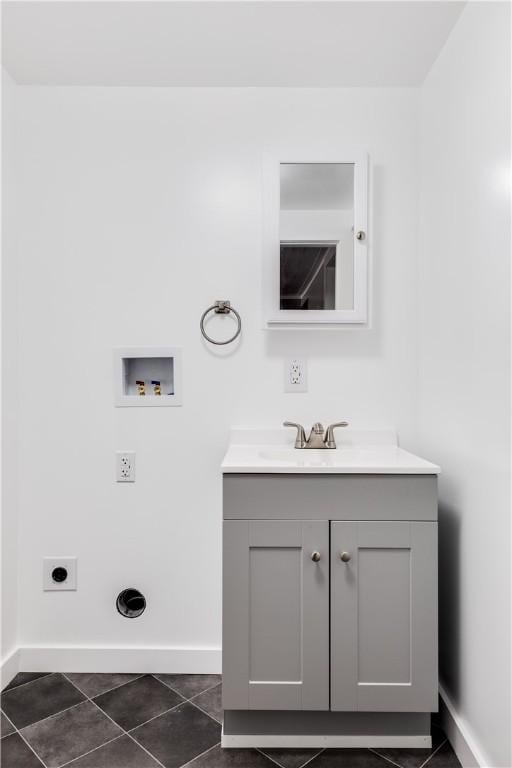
(175,690)
(64,674)
(322,749)
(74,759)
(48,717)
(383,757)
(32,750)
(188,701)
(16,729)
(149,674)
(24,740)
(272,759)
(123,731)
(126,734)
(218,722)
(29,725)
(275,760)
(89,698)
(212,688)
(29,682)
(433,753)
(10,722)
(154,718)
(185,701)
(165,712)
(201,755)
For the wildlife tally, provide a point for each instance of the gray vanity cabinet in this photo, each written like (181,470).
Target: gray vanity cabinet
(307,629)
(276,614)
(383,616)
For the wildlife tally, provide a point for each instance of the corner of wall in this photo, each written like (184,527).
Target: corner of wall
(464,371)
(9,395)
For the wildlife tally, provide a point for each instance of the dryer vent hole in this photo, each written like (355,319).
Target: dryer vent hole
(59,574)
(131,603)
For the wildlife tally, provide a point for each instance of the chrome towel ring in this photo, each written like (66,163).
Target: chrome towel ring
(221,308)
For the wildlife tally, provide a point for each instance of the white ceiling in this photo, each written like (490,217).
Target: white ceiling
(214,43)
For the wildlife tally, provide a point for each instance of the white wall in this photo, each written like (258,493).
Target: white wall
(9,371)
(465,363)
(139,208)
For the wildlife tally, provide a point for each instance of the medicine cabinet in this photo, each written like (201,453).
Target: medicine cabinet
(315,240)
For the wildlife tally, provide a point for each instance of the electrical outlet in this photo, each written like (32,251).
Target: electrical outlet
(59,573)
(125,466)
(295,375)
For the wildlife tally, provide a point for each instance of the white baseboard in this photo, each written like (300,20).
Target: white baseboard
(294,741)
(9,668)
(118,659)
(460,736)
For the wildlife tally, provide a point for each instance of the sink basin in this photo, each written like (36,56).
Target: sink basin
(358,452)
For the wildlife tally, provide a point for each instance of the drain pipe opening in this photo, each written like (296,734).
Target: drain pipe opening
(131,603)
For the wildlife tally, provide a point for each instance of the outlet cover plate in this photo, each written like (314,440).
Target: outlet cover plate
(125,466)
(49,565)
(295,375)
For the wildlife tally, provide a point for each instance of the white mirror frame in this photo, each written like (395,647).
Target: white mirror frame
(290,318)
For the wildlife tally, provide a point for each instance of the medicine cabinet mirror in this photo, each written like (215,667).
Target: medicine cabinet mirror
(315,241)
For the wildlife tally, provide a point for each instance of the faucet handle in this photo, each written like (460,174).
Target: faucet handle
(300,440)
(329,440)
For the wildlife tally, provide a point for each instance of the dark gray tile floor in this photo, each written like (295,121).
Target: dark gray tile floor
(155,721)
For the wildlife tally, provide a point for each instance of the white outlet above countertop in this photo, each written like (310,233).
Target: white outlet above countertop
(357,452)
(295,375)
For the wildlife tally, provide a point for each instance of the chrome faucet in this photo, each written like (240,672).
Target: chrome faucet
(317,438)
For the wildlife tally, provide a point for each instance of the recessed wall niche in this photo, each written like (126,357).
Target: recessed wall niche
(147,376)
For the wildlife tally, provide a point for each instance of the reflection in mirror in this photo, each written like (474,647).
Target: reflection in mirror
(308,275)
(316,236)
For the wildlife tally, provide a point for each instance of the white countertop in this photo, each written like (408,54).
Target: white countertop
(357,452)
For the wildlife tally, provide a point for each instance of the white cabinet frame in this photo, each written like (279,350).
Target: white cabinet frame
(274,317)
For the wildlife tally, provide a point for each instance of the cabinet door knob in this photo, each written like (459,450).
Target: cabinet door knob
(345,556)
(315,556)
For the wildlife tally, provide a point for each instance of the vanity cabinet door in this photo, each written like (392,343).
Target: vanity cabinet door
(276,614)
(384,616)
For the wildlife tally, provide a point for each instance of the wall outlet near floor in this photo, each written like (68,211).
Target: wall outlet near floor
(125,466)
(59,573)
(295,375)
